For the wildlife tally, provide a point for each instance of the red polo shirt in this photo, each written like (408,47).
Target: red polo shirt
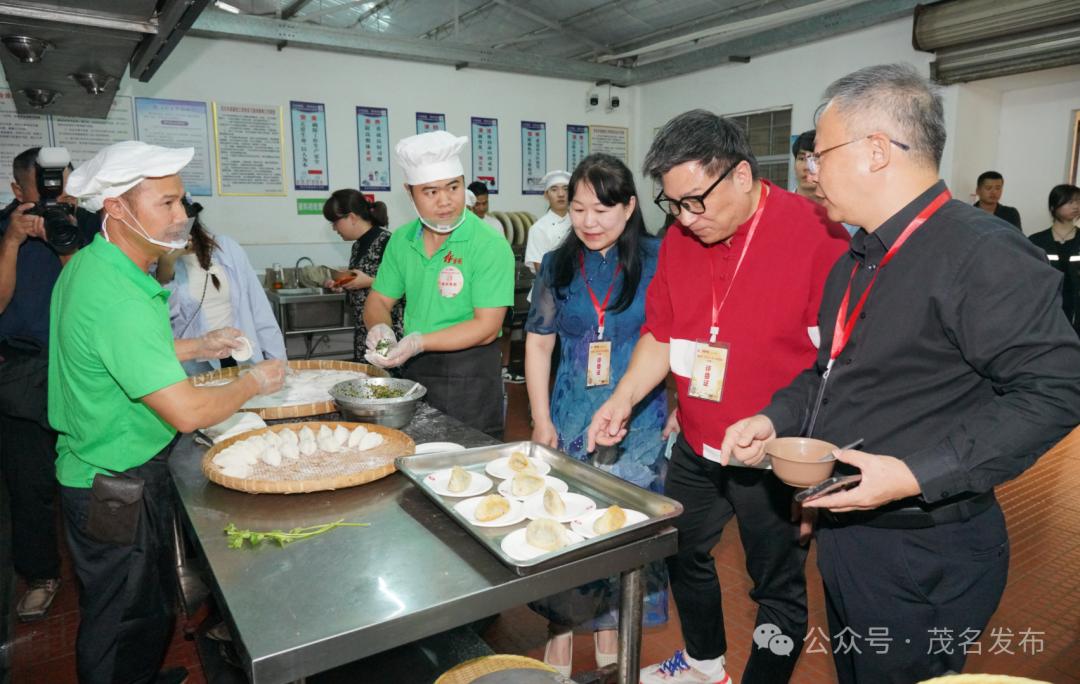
(769,319)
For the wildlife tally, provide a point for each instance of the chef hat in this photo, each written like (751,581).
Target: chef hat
(555,178)
(117,168)
(470,198)
(431,157)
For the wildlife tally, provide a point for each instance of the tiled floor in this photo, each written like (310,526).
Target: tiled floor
(1042,598)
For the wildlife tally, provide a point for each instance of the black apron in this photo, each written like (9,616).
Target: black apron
(24,380)
(465,384)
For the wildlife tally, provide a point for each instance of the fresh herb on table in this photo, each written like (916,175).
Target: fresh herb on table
(237,536)
(373,392)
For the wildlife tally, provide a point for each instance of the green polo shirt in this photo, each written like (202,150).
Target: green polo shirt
(110,343)
(474,269)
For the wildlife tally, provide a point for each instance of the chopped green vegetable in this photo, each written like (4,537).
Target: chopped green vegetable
(382,347)
(237,536)
(372,392)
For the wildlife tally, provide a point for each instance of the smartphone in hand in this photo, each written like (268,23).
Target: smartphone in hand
(833,484)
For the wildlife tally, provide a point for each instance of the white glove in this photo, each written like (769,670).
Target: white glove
(409,346)
(380,340)
(217,344)
(270,375)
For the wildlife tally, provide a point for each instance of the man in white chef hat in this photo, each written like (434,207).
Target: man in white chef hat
(457,278)
(117,397)
(550,229)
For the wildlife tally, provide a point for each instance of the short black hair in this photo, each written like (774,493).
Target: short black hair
(23,165)
(989,175)
(1060,196)
(804,142)
(699,136)
(477,188)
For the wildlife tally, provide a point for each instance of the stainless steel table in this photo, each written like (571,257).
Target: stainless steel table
(355,592)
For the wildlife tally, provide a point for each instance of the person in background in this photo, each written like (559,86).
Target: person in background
(988,189)
(591,291)
(118,397)
(1062,246)
(212,285)
(457,278)
(364,223)
(481,205)
(732,314)
(550,229)
(804,145)
(944,349)
(29,268)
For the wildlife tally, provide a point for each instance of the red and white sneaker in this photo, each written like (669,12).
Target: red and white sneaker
(676,669)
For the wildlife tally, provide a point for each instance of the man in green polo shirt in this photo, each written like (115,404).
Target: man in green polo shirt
(457,278)
(117,396)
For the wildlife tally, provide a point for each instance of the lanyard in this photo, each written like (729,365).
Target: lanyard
(713,329)
(600,309)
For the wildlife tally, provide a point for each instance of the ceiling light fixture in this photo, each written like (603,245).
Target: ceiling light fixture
(226,6)
(95,84)
(26,49)
(40,98)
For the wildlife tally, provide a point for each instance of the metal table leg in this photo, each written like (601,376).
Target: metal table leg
(630,613)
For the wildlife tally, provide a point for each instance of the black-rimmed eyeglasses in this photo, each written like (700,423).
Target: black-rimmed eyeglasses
(695,204)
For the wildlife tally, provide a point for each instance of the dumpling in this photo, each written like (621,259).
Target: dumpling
(370,441)
(491,507)
(234,454)
(525,484)
(613,519)
(324,433)
(306,434)
(238,470)
(327,442)
(356,435)
(460,479)
(545,533)
(290,450)
(271,456)
(271,438)
(308,447)
(287,436)
(553,503)
(519,462)
(341,434)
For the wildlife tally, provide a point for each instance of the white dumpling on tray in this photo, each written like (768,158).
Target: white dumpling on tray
(306,434)
(356,435)
(271,456)
(370,441)
(290,450)
(241,471)
(308,447)
(327,442)
(341,434)
(287,436)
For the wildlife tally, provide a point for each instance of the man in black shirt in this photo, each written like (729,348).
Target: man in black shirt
(988,188)
(957,380)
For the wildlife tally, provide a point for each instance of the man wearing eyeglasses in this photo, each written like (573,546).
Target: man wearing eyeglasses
(732,312)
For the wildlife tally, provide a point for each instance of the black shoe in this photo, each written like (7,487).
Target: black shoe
(174,675)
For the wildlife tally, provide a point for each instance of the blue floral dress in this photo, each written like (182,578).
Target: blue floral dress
(569,313)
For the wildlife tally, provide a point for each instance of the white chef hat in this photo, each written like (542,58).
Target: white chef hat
(431,156)
(470,198)
(117,168)
(555,178)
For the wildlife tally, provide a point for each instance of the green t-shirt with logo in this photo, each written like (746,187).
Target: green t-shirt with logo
(110,344)
(474,269)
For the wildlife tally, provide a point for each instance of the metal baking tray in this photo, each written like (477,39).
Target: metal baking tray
(602,487)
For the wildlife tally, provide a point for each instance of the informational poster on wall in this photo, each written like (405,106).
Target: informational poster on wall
(179,123)
(613,140)
(249,139)
(485,152)
(310,169)
(84,137)
(533,157)
(577,145)
(18,132)
(373,138)
(427,122)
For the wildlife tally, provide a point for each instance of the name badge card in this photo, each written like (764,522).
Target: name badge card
(710,369)
(598,372)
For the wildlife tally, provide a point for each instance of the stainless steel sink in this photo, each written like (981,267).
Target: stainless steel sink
(305,308)
(298,291)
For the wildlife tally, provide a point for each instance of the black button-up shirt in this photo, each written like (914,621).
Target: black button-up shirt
(1005,213)
(963,365)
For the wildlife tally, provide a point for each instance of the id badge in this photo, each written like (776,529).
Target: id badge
(710,368)
(598,372)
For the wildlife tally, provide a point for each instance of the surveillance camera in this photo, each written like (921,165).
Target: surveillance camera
(592,100)
(613,103)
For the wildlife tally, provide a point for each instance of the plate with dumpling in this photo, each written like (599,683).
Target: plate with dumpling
(539,537)
(606,520)
(458,481)
(305,457)
(493,510)
(559,506)
(518,462)
(524,485)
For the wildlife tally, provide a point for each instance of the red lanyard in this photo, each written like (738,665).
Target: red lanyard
(601,309)
(845,325)
(713,329)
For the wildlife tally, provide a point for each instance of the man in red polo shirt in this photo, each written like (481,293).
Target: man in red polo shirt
(732,312)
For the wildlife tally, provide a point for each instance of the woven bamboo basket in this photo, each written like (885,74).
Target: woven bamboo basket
(478,667)
(319,472)
(982,679)
(296,410)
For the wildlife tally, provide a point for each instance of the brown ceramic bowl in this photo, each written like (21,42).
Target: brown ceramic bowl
(797,460)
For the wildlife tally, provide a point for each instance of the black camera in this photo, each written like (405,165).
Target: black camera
(61,231)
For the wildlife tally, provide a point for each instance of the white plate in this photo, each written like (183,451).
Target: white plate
(515,546)
(549,481)
(438,481)
(437,447)
(468,507)
(584,524)
(499,468)
(577,505)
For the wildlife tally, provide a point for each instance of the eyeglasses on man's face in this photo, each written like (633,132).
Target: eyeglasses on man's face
(695,204)
(813,159)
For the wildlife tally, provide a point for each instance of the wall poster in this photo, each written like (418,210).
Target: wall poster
(533,157)
(577,145)
(179,123)
(613,140)
(373,140)
(250,150)
(427,122)
(485,152)
(310,168)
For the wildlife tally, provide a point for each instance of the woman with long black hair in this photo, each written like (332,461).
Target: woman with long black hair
(590,292)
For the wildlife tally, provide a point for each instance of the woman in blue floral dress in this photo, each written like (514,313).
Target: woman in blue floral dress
(602,268)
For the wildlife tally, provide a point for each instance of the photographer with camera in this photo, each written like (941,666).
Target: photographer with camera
(39,231)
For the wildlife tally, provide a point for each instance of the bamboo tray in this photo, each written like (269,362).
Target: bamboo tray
(318,472)
(296,410)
